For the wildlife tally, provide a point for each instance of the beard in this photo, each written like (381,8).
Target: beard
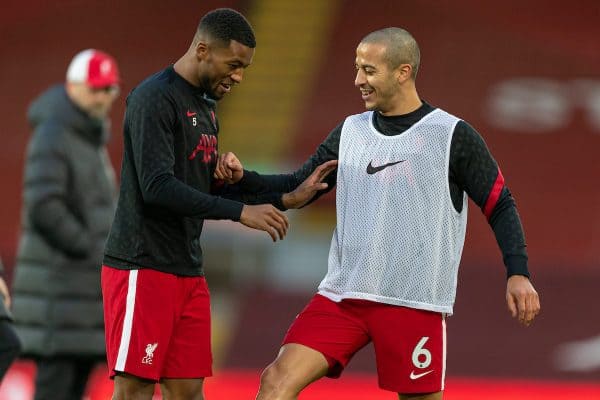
(206,86)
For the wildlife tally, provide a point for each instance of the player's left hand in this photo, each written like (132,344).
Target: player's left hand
(229,168)
(522,299)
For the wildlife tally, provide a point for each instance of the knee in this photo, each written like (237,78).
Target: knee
(186,394)
(276,379)
(179,389)
(268,379)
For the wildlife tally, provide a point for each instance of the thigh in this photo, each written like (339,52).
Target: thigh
(139,313)
(189,355)
(330,328)
(410,347)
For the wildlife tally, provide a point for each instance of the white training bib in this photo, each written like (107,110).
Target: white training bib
(398,238)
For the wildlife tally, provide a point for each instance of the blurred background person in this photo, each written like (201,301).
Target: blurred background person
(69,198)
(10,346)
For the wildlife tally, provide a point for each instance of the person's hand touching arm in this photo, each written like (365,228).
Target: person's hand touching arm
(311,185)
(230,169)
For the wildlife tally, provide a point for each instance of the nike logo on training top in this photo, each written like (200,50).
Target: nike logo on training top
(371,169)
(190,114)
(414,376)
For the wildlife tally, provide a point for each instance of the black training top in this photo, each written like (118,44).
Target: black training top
(170,153)
(472,170)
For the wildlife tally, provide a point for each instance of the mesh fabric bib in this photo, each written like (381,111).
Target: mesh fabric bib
(398,238)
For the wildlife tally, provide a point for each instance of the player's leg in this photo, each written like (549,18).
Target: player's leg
(295,367)
(410,346)
(129,387)
(182,389)
(189,359)
(139,309)
(320,342)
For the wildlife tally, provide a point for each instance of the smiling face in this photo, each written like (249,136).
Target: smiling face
(221,67)
(378,83)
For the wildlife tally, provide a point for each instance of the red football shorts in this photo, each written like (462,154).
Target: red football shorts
(410,344)
(157,324)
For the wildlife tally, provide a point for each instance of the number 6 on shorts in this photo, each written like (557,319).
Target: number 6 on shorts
(421,352)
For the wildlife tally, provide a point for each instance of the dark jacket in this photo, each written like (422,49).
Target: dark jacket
(69,200)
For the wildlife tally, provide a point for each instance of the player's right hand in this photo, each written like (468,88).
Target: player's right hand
(266,218)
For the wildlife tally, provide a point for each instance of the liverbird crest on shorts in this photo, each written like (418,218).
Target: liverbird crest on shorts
(149,353)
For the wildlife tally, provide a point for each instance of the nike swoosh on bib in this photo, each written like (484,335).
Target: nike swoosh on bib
(371,169)
(414,376)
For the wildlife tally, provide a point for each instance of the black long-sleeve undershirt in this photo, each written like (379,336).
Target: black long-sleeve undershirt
(472,170)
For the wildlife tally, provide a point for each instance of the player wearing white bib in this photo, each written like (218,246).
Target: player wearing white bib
(388,191)
(405,169)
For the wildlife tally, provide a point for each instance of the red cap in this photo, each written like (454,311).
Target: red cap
(94,68)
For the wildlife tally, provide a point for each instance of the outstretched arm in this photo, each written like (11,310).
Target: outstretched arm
(308,189)
(230,170)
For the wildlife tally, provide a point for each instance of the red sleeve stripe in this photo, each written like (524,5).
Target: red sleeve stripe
(494,195)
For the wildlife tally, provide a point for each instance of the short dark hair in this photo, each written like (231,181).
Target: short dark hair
(225,25)
(401,47)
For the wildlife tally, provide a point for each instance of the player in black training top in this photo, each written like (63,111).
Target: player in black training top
(156,301)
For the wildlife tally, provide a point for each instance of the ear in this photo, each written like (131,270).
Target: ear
(404,72)
(201,50)
(73,89)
